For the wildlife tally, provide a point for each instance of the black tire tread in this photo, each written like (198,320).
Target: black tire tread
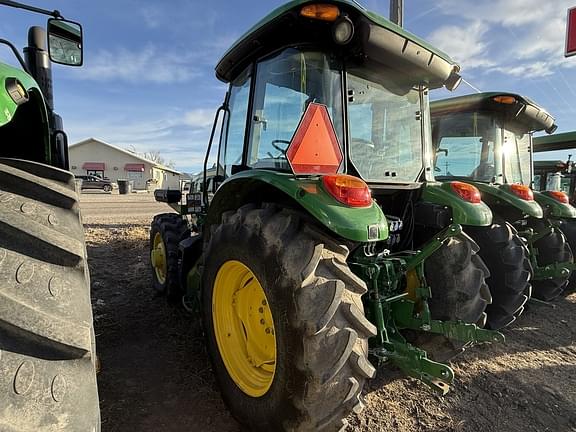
(47,348)
(568,228)
(551,248)
(457,278)
(510,271)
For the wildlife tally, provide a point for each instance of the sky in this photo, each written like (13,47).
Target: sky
(148,79)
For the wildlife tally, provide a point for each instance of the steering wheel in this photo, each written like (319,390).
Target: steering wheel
(277,147)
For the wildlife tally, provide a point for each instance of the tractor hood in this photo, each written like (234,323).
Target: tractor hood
(11,79)
(374,39)
(522,111)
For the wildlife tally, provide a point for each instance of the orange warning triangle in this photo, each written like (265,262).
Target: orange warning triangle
(314,148)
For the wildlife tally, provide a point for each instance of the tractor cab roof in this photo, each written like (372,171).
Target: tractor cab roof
(525,113)
(561,141)
(374,39)
(549,165)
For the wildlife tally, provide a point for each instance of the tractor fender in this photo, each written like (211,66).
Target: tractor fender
(364,224)
(463,212)
(500,196)
(553,207)
(9,102)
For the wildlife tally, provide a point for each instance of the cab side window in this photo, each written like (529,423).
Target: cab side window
(235,124)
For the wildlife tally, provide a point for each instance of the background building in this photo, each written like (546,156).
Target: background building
(95,157)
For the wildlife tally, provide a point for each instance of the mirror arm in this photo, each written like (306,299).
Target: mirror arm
(54,13)
(16,53)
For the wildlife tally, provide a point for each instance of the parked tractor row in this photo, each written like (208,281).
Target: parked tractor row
(346,225)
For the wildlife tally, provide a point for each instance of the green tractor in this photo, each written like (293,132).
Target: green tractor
(485,139)
(321,245)
(558,179)
(556,175)
(47,343)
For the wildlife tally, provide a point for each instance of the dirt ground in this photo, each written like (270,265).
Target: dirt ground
(156,375)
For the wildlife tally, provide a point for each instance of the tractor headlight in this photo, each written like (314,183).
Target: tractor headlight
(343,30)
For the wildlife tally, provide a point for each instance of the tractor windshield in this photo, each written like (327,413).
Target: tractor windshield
(385,127)
(475,146)
(465,146)
(285,84)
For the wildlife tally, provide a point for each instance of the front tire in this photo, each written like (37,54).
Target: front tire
(510,271)
(552,248)
(457,278)
(568,228)
(47,344)
(320,359)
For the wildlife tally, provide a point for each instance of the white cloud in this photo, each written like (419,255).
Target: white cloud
(515,13)
(465,44)
(525,37)
(149,64)
(153,16)
(538,69)
(200,117)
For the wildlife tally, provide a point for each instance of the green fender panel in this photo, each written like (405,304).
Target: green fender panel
(502,195)
(348,222)
(463,212)
(553,207)
(7,105)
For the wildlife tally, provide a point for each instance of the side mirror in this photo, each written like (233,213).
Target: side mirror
(65,42)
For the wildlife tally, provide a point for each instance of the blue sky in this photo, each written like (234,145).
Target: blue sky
(148,80)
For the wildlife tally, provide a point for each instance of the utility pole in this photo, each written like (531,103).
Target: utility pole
(397,12)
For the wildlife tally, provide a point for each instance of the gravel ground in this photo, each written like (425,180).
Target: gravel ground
(156,375)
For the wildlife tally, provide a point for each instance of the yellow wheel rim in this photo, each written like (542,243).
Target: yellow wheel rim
(244,328)
(158,258)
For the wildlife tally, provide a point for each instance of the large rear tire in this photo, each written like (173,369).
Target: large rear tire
(457,278)
(166,233)
(510,271)
(47,345)
(552,248)
(320,361)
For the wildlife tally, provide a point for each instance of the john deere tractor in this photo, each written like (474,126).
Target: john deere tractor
(485,139)
(558,179)
(47,349)
(301,258)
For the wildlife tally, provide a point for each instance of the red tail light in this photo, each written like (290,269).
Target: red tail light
(522,191)
(467,192)
(559,196)
(349,190)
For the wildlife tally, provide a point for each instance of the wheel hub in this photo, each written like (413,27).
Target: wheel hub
(244,328)
(158,258)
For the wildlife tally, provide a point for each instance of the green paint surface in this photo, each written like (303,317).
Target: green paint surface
(463,212)
(348,222)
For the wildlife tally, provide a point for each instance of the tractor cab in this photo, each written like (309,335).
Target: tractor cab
(366,79)
(27,113)
(487,137)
